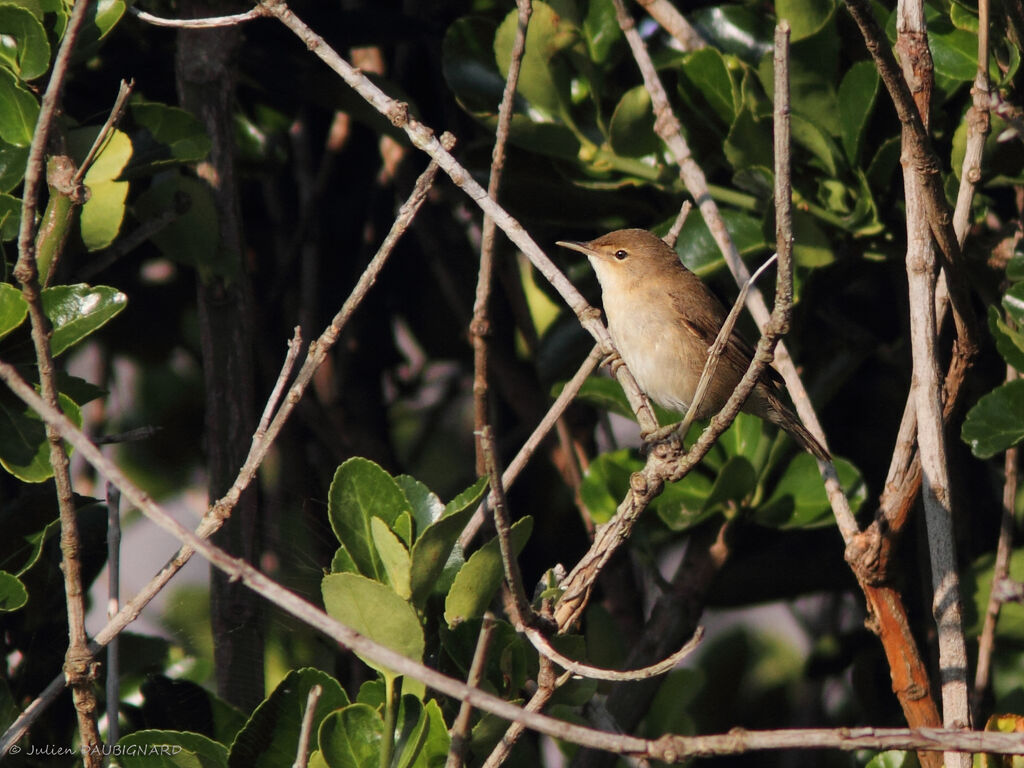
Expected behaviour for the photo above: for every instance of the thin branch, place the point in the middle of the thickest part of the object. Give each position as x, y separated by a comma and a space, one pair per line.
460, 726
480, 326
129, 436
525, 453
79, 668
1001, 572
522, 615
672, 236
203, 23
294, 347
113, 606
544, 648
716, 349
547, 685
107, 130
926, 387
673, 22
668, 748
306, 729
922, 159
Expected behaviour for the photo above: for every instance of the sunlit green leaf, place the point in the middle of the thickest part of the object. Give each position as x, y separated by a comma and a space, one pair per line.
996, 422
19, 111
24, 49
75, 311
480, 577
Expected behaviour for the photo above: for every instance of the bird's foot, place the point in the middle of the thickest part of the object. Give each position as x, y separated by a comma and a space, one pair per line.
668, 434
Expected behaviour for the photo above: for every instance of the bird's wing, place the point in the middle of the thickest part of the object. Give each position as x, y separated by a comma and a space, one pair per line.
737, 354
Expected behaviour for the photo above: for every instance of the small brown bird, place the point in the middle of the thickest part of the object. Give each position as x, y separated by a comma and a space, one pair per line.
663, 319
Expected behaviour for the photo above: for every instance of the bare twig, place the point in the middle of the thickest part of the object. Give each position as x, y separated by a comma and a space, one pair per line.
130, 436
306, 729
673, 22
460, 727
522, 614
716, 349
116, 113
544, 648
1001, 572
926, 386
204, 23
79, 668
113, 606
668, 748
480, 326
537, 436
672, 236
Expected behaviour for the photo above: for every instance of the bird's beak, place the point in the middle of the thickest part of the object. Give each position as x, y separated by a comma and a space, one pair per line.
572, 245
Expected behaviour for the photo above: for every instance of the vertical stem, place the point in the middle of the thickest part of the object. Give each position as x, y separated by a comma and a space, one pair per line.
922, 273
480, 325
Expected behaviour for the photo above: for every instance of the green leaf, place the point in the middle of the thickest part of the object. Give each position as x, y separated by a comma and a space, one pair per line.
75, 311
735, 481
13, 308
436, 742
179, 136
193, 237
954, 51
410, 732
543, 78
680, 505
271, 736
467, 61
25, 49
13, 594
170, 749
1009, 341
805, 17
342, 561
707, 70
1013, 303
374, 610
12, 171
10, 217
393, 556
24, 449
749, 143
857, 93
736, 29
700, 253
426, 506
812, 246
631, 131
433, 547
100, 19
996, 422
19, 111
480, 577
799, 500
469, 498
351, 737
977, 586
809, 136
103, 212
362, 490
601, 30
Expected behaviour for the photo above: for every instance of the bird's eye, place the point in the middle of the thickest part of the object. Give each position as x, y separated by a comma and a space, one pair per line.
621, 254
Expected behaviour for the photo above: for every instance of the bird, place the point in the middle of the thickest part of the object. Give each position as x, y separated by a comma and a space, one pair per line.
663, 319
